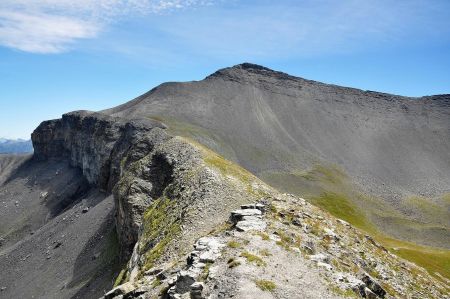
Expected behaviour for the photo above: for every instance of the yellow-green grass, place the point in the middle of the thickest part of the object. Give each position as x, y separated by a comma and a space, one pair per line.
446, 198
160, 226
341, 207
251, 258
234, 244
330, 189
229, 169
194, 132
120, 278
432, 209
432, 259
265, 285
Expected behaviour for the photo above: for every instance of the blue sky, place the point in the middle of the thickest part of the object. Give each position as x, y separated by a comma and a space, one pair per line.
62, 55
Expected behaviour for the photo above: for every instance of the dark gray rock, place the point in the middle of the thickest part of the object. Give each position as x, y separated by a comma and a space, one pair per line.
372, 284
103, 147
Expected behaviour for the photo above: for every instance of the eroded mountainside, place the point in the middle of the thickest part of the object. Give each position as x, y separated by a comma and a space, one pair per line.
124, 202
383, 154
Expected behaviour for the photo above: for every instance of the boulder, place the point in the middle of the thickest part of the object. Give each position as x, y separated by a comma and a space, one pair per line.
184, 281
372, 284
197, 290
123, 289
369, 294
257, 206
330, 234
251, 223
296, 222
309, 246
320, 257
238, 215
325, 266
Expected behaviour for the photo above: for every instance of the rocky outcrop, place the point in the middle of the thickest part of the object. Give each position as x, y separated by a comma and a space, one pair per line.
96, 143
235, 263
103, 148
249, 217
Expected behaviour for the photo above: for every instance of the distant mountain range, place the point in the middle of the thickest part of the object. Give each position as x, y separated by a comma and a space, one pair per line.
15, 146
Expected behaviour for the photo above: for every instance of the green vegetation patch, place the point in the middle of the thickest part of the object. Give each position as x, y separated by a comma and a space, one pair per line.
341, 207
435, 210
446, 198
161, 225
120, 278
251, 258
263, 236
229, 169
226, 167
205, 271
347, 293
265, 285
331, 189
432, 259
234, 244
265, 252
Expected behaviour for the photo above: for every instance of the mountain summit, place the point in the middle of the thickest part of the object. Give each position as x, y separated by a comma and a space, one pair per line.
390, 150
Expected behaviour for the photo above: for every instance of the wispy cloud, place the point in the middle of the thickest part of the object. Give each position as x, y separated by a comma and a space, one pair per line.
51, 26
232, 29
42, 33
310, 27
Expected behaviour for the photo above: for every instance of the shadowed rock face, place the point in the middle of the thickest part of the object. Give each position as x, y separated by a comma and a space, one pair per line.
93, 142
102, 147
275, 124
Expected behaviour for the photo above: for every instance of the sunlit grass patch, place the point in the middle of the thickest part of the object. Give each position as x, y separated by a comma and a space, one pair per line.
265, 285
251, 258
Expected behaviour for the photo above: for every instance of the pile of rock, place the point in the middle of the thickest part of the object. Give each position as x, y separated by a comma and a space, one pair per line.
249, 217
363, 284
186, 283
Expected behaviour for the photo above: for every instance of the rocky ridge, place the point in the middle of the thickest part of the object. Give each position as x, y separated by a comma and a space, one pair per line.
299, 252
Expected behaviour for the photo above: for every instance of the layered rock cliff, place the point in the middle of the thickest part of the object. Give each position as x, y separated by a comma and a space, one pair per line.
102, 147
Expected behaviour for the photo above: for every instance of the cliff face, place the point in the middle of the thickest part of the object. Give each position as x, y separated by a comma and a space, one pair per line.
102, 147
95, 143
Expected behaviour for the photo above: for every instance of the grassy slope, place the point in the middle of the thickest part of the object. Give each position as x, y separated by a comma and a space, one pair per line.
328, 188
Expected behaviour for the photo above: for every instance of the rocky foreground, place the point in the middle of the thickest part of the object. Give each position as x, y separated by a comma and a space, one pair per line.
285, 249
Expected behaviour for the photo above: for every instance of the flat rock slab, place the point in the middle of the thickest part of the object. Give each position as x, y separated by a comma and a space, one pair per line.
238, 215
252, 224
